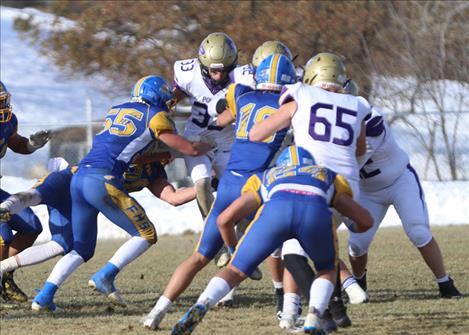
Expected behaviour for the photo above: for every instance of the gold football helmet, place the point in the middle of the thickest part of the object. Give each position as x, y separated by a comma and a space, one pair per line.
218, 52
268, 48
5, 107
325, 70
351, 87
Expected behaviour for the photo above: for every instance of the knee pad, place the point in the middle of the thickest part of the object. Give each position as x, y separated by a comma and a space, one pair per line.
203, 190
418, 233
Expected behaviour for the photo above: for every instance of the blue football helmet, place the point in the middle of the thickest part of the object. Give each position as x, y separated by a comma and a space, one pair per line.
294, 155
5, 107
275, 71
152, 90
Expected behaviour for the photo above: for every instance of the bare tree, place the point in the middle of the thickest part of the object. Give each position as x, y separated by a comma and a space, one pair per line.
425, 81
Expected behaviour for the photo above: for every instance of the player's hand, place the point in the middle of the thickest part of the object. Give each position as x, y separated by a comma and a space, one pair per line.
5, 215
39, 139
202, 147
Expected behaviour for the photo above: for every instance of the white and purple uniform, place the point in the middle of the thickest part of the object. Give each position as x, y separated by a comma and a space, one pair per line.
204, 96
387, 178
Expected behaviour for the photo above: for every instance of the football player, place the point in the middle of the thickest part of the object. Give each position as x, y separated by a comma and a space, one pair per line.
205, 80
387, 179
53, 191
25, 223
292, 201
98, 186
246, 106
329, 124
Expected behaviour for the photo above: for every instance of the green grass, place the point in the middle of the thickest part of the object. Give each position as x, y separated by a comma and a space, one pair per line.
403, 293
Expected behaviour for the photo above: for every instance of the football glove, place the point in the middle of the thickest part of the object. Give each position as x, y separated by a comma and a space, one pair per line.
38, 139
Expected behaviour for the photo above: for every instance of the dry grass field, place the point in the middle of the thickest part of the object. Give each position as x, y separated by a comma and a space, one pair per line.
404, 296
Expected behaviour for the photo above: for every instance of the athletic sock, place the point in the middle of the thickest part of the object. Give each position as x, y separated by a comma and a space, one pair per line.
39, 253
320, 294
129, 251
216, 289
443, 279
64, 268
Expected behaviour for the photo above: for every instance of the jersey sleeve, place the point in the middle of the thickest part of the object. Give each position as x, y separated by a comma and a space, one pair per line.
244, 75
161, 122
253, 184
341, 186
184, 73
234, 91
289, 93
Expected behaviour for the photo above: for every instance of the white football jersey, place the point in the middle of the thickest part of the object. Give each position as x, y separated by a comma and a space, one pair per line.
385, 160
188, 77
327, 124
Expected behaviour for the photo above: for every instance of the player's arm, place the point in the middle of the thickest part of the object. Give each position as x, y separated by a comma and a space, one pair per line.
182, 145
15, 203
362, 220
178, 95
163, 190
23, 145
239, 209
279, 120
361, 141
225, 118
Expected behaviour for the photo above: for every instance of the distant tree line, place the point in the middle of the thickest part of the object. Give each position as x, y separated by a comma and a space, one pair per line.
424, 40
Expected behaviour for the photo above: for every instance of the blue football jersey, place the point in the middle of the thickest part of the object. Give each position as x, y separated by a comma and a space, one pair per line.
313, 180
129, 129
6, 130
248, 107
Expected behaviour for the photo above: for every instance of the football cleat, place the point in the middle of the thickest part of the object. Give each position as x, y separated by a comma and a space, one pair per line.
190, 320
362, 281
224, 259
256, 274
36, 307
313, 323
356, 294
43, 302
287, 321
11, 291
328, 323
339, 312
153, 319
279, 297
227, 300
448, 290
105, 285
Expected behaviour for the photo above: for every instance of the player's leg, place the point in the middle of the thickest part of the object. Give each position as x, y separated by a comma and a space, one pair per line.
61, 243
200, 170
125, 212
84, 231
28, 227
358, 244
317, 236
207, 247
250, 252
409, 202
275, 266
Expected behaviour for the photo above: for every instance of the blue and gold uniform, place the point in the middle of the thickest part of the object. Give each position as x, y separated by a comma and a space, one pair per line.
98, 185
248, 106
25, 221
55, 194
294, 203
